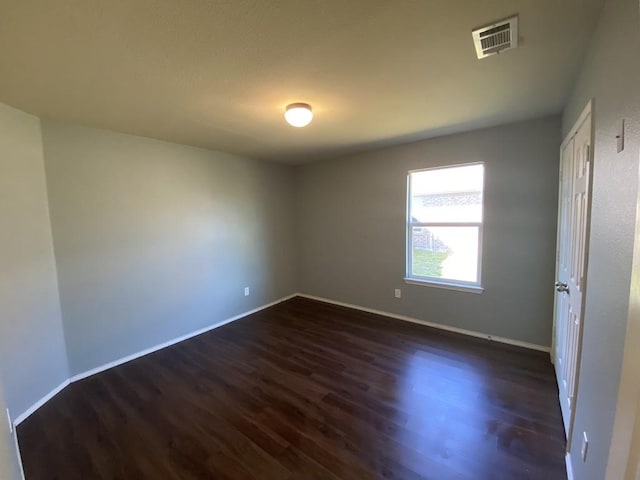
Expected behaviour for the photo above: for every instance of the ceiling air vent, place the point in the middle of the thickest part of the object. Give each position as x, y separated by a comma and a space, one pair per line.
496, 37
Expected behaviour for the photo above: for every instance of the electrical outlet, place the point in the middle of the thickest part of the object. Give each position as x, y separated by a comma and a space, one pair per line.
398, 293
585, 446
246, 291
9, 420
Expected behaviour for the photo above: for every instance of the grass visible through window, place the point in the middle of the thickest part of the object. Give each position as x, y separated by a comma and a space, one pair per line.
427, 263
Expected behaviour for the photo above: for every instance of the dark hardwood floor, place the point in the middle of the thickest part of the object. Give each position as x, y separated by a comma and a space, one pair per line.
307, 390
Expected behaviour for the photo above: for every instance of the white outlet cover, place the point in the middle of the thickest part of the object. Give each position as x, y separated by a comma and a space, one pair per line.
246, 291
10, 422
398, 293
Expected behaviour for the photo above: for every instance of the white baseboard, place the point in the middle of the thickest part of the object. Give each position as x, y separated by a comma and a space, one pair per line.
173, 341
21, 418
440, 326
567, 460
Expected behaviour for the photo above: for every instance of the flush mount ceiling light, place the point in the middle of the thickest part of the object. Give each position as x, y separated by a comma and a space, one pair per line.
298, 114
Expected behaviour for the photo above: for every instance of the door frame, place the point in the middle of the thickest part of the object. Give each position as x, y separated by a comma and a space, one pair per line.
587, 111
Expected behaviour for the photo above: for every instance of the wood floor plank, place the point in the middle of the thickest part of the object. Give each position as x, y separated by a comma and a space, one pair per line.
308, 390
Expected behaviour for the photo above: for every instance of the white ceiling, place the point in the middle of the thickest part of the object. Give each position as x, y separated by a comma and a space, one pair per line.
218, 73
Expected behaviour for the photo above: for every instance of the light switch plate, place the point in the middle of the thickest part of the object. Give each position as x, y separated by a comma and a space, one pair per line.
620, 136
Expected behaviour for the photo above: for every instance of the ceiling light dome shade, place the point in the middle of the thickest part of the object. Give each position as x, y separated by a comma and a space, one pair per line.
298, 114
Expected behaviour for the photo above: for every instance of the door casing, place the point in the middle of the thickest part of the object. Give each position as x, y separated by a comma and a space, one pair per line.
586, 115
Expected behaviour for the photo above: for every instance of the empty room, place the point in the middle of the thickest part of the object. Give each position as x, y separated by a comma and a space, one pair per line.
319, 239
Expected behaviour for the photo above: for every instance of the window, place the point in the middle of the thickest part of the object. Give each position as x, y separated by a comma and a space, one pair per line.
444, 226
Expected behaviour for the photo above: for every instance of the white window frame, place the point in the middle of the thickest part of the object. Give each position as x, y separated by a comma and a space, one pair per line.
461, 285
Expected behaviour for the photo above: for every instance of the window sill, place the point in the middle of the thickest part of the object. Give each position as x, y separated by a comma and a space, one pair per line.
445, 285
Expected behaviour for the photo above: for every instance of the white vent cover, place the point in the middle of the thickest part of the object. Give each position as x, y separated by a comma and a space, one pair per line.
496, 37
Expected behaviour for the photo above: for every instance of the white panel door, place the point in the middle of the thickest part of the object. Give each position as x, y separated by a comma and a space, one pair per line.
573, 222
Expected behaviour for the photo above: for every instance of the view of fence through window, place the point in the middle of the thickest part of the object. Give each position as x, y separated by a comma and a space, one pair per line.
444, 226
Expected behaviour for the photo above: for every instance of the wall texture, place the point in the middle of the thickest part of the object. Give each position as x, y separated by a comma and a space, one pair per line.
32, 351
351, 230
9, 464
154, 240
610, 75
633, 465
624, 452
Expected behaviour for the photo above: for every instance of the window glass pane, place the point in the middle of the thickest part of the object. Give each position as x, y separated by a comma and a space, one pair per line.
448, 253
447, 194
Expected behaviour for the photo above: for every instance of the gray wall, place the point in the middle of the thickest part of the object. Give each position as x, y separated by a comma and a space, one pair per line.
611, 75
351, 230
154, 240
32, 350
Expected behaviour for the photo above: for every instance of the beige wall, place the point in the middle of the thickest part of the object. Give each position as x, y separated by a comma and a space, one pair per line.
611, 76
351, 229
32, 350
155, 240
